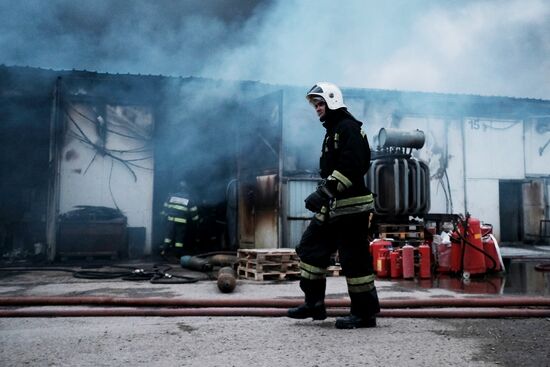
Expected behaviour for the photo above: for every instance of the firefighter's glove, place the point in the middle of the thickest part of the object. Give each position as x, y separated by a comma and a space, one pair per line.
319, 198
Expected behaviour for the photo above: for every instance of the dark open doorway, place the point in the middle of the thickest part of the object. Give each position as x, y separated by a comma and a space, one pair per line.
511, 211
522, 210
228, 151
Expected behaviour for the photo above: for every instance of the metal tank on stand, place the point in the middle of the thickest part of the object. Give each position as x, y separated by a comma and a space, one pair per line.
401, 184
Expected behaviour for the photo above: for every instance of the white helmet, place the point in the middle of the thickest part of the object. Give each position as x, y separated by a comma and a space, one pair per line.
329, 92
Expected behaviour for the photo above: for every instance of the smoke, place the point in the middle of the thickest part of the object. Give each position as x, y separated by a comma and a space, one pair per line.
167, 37
498, 48
478, 47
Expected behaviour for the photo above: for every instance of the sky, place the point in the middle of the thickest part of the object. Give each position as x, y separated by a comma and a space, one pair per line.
484, 47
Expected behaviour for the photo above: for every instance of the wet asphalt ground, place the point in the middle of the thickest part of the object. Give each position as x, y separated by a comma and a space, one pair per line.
269, 341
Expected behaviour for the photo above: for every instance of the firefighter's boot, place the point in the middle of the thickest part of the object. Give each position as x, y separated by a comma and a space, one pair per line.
353, 322
316, 311
364, 304
314, 305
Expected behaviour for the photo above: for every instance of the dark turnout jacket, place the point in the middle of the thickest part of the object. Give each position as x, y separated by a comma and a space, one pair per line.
345, 159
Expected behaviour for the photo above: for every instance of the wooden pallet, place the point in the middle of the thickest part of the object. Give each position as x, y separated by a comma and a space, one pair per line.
268, 264
253, 274
402, 232
277, 264
279, 255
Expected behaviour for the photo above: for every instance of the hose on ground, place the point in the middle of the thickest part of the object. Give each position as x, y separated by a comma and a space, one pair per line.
158, 274
267, 303
272, 312
406, 308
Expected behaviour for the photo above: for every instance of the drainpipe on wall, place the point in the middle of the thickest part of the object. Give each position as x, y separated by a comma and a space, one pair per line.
463, 132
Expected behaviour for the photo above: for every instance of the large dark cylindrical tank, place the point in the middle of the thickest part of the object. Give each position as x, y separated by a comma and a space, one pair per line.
400, 181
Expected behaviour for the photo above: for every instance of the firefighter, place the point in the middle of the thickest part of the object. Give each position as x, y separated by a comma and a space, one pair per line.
181, 217
343, 206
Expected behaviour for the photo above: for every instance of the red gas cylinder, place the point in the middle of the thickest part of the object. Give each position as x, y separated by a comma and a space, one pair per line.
443, 257
486, 229
490, 246
396, 264
425, 270
474, 260
383, 262
375, 247
456, 253
408, 261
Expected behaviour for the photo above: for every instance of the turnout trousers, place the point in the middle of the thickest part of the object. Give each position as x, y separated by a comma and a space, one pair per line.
175, 237
349, 235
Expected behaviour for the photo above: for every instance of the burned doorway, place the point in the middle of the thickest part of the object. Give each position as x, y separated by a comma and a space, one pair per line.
195, 142
228, 151
259, 173
24, 144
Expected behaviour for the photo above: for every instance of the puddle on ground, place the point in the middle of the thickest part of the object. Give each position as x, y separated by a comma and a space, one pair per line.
521, 278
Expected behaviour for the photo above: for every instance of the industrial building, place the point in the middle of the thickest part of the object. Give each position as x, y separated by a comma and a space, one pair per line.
88, 158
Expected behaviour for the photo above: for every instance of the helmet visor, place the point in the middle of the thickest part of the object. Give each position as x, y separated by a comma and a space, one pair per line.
315, 89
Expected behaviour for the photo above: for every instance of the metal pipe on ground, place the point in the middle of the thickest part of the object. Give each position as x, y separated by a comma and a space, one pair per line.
267, 303
273, 312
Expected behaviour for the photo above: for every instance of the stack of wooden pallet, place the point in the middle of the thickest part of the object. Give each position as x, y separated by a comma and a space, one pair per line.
268, 264
411, 233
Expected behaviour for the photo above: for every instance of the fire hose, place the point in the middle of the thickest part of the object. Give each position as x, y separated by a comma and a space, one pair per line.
158, 274
410, 308
274, 312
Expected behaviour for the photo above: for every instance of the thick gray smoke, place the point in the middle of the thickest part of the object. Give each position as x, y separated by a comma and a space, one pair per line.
481, 47
168, 37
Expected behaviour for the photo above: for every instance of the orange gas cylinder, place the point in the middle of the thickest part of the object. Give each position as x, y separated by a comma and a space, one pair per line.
425, 270
408, 261
396, 261
375, 247
456, 253
490, 246
474, 260
383, 262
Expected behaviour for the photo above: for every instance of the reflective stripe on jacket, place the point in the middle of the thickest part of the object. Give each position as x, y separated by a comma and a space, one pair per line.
178, 208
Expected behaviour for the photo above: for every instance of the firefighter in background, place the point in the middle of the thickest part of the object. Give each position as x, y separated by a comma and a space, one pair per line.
343, 206
182, 217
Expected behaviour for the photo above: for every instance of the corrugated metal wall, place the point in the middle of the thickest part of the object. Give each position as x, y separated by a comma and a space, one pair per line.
296, 216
